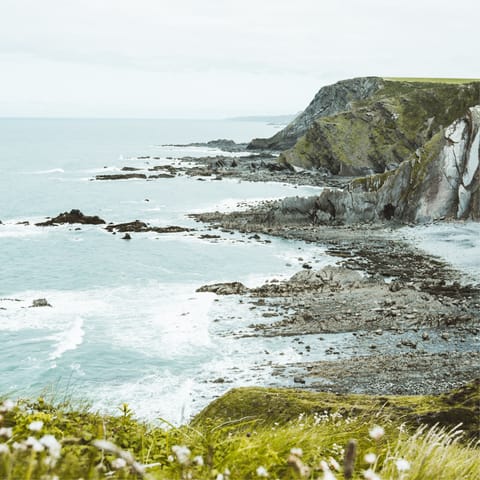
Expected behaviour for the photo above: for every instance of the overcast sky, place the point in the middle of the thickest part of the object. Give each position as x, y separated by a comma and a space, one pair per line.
217, 58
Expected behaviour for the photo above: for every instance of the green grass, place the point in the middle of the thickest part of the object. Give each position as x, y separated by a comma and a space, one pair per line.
244, 435
432, 80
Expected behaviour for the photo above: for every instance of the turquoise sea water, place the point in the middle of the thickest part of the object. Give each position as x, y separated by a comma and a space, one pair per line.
126, 324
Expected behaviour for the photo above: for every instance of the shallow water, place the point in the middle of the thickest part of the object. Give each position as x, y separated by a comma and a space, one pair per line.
126, 324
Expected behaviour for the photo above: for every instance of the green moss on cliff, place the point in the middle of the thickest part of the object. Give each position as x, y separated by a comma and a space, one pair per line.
283, 405
385, 129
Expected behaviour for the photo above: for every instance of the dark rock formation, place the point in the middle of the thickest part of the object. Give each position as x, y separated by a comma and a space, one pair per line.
74, 216
40, 302
138, 226
232, 288
221, 143
120, 176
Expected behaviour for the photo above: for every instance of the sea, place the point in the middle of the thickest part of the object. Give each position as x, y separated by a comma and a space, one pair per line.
125, 323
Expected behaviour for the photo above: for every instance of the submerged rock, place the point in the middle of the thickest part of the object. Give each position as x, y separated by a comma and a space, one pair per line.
74, 216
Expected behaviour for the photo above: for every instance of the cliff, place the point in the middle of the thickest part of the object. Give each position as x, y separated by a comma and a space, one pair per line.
440, 180
370, 125
330, 100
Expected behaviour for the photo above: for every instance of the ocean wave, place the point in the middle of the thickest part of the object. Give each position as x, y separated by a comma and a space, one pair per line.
69, 339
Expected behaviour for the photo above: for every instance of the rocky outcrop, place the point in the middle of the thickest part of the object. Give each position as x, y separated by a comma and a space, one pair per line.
121, 176
74, 216
375, 130
330, 100
232, 288
442, 180
138, 226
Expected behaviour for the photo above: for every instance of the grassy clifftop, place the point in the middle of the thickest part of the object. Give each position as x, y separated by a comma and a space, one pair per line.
381, 131
250, 433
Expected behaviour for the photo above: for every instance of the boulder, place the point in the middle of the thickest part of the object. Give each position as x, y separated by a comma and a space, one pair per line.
74, 216
232, 288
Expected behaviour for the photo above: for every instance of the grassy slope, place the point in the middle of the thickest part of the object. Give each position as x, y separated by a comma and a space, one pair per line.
433, 80
250, 428
386, 128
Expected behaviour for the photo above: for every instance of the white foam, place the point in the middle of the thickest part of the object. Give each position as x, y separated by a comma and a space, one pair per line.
51, 170
68, 339
456, 242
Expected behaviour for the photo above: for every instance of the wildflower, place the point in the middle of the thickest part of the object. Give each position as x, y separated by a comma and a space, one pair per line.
370, 475
402, 465
105, 445
328, 475
334, 464
182, 453
34, 444
118, 463
226, 473
52, 444
376, 432
6, 406
170, 458
6, 432
36, 426
4, 450
370, 458
219, 477
297, 452
198, 460
21, 447
262, 472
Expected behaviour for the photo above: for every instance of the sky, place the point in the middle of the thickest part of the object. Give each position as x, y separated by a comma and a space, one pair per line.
218, 58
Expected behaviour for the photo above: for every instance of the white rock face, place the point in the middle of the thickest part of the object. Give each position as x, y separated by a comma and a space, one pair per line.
450, 193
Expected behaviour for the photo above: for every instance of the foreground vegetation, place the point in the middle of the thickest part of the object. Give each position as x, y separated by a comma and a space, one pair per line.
250, 433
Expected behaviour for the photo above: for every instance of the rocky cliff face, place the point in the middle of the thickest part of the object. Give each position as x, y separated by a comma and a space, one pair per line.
441, 180
330, 100
375, 127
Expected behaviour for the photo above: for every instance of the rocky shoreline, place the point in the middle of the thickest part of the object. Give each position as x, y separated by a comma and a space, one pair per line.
414, 319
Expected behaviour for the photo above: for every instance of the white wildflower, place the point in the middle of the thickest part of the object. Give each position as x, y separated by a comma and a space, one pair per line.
324, 466
262, 472
298, 452
54, 447
34, 444
370, 458
21, 447
6, 406
376, 432
170, 458
370, 475
6, 432
334, 464
36, 426
219, 476
227, 472
4, 449
328, 475
105, 445
118, 463
402, 465
198, 460
182, 453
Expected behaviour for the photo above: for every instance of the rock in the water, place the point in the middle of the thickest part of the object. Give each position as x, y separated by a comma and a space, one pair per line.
74, 216
120, 176
40, 302
126, 237
232, 288
138, 226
